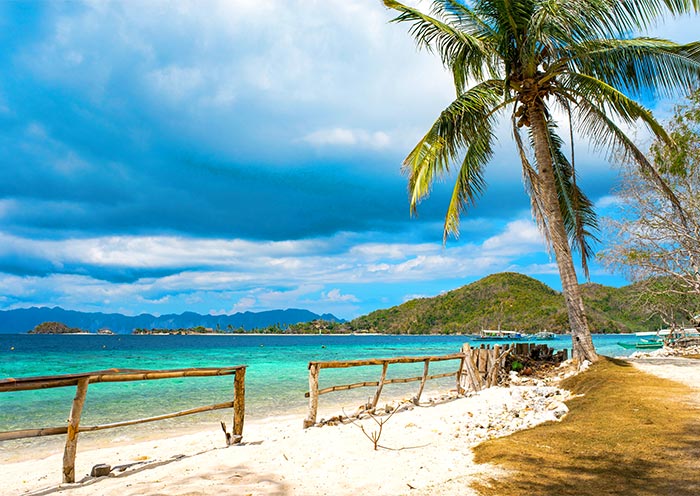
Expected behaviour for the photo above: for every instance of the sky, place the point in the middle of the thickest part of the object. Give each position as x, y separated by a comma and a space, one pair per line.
240, 155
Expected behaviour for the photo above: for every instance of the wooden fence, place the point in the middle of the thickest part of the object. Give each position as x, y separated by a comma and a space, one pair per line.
481, 366
315, 369
82, 380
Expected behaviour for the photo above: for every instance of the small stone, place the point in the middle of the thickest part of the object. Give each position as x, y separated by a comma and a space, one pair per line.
100, 470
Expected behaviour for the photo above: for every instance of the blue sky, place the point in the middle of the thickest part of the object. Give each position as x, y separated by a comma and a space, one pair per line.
223, 156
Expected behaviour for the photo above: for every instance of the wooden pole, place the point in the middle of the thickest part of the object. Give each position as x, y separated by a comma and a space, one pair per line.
73, 430
471, 368
380, 386
111, 375
238, 404
495, 366
460, 380
426, 365
380, 361
313, 395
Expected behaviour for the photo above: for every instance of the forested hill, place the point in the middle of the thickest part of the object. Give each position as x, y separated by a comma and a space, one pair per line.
513, 302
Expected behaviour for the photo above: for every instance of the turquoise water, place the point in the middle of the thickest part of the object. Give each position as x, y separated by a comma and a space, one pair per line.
276, 379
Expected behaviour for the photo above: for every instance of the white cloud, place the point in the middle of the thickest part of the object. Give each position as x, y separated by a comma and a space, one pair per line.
338, 136
608, 201
335, 295
244, 304
520, 236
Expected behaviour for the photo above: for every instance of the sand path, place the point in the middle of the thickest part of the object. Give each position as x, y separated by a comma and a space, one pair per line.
679, 369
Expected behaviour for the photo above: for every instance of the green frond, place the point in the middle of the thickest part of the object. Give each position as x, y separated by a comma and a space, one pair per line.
638, 65
577, 87
470, 182
458, 128
609, 137
468, 53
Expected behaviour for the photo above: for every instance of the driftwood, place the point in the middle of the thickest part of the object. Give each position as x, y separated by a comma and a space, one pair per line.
82, 381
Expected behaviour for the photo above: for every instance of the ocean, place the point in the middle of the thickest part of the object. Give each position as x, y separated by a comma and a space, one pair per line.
276, 378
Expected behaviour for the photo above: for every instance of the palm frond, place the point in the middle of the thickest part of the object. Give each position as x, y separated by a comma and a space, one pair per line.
470, 182
467, 54
607, 136
456, 129
639, 65
577, 87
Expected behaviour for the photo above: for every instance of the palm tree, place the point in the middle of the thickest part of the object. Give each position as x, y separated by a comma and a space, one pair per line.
536, 62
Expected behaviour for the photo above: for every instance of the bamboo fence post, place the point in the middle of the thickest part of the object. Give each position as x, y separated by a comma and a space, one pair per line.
238, 404
483, 360
74, 429
313, 395
380, 386
460, 371
496, 365
470, 366
426, 366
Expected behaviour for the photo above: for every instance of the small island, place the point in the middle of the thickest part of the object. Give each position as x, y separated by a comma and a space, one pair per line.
56, 328
179, 331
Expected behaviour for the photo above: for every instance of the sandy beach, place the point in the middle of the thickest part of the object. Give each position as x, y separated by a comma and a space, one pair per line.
426, 450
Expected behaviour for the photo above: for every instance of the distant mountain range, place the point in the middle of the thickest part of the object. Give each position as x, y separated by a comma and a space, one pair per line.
25, 319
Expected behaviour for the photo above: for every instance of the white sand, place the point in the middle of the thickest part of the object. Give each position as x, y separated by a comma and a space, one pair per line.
429, 451
430, 454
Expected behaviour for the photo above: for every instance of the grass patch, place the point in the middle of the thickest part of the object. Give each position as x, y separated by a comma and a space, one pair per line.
631, 433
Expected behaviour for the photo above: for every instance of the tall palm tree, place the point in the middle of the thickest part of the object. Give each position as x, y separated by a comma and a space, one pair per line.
536, 62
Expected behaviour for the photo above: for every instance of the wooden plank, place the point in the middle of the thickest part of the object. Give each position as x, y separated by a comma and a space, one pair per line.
483, 361
460, 379
470, 366
110, 375
424, 378
45, 431
344, 387
381, 361
495, 366
378, 392
313, 395
398, 380
238, 404
73, 430
52, 431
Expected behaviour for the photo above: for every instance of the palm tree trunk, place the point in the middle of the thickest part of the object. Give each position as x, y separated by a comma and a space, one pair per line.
582, 344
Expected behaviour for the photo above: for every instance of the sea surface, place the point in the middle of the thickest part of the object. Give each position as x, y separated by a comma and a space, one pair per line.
276, 378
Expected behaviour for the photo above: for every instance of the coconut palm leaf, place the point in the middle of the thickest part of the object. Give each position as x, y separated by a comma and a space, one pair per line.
462, 124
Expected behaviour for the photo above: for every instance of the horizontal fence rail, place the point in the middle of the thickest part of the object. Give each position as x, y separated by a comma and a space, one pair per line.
315, 368
83, 380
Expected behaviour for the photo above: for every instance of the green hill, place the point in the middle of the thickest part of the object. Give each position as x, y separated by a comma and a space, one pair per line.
514, 302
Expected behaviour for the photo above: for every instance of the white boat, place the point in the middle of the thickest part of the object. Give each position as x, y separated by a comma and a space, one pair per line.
542, 335
493, 335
